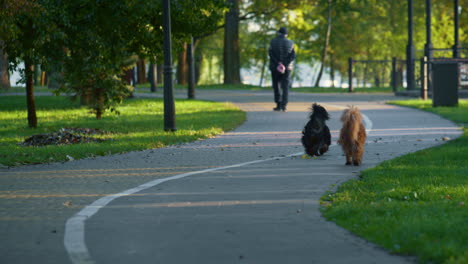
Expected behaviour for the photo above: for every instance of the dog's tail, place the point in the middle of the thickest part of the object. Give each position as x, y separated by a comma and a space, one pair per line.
352, 119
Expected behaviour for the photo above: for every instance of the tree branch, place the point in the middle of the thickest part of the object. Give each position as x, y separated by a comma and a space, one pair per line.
246, 16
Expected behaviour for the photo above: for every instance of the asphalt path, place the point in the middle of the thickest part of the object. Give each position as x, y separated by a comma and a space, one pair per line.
245, 196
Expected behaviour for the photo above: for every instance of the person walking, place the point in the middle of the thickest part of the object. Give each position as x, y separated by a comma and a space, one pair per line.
282, 56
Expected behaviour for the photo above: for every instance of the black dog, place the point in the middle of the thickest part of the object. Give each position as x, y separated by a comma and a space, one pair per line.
316, 136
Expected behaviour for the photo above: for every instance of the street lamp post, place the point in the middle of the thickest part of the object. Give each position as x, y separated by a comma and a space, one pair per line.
456, 46
169, 105
428, 45
410, 50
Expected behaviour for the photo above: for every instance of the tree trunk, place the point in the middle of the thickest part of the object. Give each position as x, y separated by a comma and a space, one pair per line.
29, 72
198, 57
134, 77
159, 73
182, 69
152, 77
127, 76
332, 71
37, 75
141, 72
198, 66
99, 103
325, 47
55, 78
191, 69
366, 75
4, 76
43, 78
377, 81
231, 44
399, 76
262, 74
85, 98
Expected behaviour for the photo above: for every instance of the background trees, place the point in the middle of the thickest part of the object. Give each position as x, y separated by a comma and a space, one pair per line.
370, 29
88, 44
25, 33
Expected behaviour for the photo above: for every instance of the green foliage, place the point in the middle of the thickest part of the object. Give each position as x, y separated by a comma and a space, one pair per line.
363, 30
25, 31
90, 42
138, 127
414, 204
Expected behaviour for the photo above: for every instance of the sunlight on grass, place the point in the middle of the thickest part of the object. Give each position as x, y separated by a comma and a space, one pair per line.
138, 127
414, 204
145, 88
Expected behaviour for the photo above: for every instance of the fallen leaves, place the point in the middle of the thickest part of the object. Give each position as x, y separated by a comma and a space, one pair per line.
64, 136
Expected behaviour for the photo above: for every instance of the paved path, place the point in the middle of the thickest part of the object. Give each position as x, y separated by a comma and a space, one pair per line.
261, 212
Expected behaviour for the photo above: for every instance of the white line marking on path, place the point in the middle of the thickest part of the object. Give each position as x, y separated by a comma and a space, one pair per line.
74, 238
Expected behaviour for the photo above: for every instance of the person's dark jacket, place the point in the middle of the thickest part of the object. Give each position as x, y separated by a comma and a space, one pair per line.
281, 50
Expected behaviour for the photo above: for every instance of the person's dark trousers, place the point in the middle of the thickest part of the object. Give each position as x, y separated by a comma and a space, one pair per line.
281, 88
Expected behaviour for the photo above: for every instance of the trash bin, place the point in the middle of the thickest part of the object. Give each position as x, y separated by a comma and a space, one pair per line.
445, 83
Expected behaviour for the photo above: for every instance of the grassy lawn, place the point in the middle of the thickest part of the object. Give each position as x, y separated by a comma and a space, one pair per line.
138, 127
22, 89
145, 88
414, 204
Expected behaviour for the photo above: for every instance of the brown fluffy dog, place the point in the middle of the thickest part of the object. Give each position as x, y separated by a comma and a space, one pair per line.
352, 136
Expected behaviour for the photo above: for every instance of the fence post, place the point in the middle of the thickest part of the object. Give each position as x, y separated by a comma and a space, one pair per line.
350, 75
424, 78
394, 74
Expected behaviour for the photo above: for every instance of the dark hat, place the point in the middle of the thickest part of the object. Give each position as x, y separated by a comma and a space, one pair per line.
283, 30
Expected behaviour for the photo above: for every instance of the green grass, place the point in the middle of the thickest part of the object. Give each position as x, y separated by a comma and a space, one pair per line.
22, 89
138, 127
145, 88
414, 204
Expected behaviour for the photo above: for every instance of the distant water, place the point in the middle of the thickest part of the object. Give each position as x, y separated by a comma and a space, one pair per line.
15, 77
303, 76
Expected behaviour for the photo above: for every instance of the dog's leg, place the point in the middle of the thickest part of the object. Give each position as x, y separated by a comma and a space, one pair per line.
356, 162
348, 158
360, 146
357, 157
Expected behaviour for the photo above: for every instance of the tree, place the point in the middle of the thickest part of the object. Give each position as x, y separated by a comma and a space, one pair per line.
97, 43
241, 11
231, 45
4, 76
26, 30
327, 41
182, 67
198, 19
